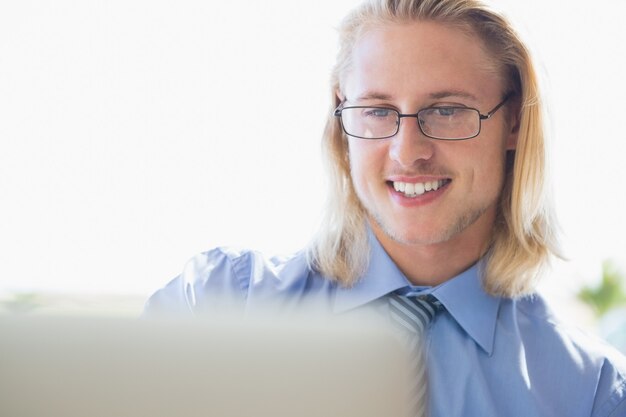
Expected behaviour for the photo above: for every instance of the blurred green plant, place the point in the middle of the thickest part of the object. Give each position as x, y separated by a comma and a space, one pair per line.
607, 295
21, 302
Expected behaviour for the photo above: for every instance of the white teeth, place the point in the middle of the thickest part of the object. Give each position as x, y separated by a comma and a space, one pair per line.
414, 189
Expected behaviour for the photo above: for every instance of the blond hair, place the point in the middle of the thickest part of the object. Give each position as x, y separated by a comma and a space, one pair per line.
524, 232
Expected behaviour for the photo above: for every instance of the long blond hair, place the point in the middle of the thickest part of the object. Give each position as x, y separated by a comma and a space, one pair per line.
524, 232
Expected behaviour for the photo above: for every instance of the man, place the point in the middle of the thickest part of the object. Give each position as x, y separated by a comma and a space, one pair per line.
436, 151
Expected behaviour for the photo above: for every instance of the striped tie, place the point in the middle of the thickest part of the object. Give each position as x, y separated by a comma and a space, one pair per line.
412, 315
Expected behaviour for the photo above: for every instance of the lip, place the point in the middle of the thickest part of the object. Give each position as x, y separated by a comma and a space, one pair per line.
420, 200
416, 179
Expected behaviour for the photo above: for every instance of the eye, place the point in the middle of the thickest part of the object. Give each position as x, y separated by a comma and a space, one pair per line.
445, 111
377, 112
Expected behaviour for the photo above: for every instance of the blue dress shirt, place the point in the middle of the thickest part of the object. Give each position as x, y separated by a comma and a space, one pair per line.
487, 356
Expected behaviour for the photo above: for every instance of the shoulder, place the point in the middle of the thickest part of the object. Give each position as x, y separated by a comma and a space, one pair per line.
224, 278
577, 355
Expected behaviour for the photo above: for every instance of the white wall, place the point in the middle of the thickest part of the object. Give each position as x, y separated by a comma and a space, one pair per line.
136, 133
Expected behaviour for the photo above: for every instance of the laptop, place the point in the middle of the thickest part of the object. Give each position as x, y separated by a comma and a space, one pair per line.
104, 367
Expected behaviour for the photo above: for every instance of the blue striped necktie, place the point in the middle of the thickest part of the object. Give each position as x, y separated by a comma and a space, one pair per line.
412, 315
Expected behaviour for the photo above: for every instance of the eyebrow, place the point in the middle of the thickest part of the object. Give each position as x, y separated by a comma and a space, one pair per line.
452, 93
374, 95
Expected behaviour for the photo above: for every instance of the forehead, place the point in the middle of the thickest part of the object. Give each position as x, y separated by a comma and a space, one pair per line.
421, 59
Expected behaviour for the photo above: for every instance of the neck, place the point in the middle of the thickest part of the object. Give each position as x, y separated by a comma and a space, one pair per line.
430, 264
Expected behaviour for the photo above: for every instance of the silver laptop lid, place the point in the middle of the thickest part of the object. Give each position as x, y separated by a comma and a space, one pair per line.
77, 367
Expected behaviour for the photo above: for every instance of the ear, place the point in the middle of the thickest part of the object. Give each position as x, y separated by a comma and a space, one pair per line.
338, 98
513, 127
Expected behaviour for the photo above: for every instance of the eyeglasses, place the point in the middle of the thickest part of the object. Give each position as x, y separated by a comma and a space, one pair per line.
445, 122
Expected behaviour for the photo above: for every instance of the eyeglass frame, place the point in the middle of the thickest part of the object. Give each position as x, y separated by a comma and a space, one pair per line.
481, 117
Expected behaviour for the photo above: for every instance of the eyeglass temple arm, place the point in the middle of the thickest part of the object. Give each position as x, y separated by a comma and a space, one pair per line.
495, 109
339, 107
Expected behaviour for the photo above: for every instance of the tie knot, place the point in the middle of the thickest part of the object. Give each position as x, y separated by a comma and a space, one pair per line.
414, 312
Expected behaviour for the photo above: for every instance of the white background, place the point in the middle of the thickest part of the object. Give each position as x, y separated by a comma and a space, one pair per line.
137, 133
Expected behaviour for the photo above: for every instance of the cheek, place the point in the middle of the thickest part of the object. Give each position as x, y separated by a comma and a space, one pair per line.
490, 171
482, 166
366, 158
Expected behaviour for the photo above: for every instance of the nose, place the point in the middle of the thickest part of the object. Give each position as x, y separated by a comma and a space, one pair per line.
410, 145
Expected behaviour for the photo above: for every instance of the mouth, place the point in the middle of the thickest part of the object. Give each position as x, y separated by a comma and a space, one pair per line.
413, 190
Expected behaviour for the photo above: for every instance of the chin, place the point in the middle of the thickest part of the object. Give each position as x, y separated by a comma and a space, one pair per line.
421, 238
413, 235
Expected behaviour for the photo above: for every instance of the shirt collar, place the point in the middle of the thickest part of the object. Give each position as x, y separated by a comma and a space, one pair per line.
462, 296
471, 307
381, 277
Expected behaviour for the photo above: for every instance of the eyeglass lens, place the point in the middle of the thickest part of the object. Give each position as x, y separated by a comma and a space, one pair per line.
437, 122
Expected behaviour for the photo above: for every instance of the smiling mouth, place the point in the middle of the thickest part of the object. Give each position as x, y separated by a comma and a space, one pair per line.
413, 190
